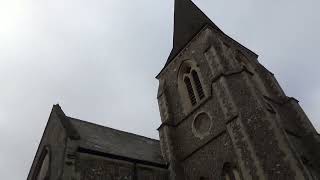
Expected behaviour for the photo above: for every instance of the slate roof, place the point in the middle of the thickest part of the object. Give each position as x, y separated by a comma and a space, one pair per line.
116, 142
188, 21
110, 141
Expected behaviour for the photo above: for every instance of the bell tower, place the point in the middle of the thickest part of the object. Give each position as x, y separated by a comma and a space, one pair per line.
224, 115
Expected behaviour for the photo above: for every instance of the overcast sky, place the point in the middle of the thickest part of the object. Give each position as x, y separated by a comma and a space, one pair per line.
98, 60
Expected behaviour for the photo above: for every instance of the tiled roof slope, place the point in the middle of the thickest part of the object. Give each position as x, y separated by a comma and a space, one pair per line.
115, 142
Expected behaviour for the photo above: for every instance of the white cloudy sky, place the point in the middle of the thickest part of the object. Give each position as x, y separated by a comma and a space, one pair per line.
98, 59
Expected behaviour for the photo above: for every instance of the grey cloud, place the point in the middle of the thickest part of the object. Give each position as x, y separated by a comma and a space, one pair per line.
98, 59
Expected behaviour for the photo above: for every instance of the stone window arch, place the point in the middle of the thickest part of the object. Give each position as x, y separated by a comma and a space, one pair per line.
230, 172
43, 166
190, 85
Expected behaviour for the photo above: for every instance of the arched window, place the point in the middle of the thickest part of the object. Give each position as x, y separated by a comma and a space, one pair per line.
230, 172
190, 85
42, 167
194, 86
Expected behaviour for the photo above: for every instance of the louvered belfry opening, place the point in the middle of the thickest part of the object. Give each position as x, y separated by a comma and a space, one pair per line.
190, 90
193, 85
197, 83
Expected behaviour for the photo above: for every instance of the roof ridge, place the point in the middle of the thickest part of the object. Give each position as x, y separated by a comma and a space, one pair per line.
130, 133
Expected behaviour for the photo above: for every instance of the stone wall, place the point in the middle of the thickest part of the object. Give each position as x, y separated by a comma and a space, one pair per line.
53, 139
93, 167
242, 99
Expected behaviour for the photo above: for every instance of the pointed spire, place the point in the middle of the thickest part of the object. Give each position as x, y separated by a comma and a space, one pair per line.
188, 21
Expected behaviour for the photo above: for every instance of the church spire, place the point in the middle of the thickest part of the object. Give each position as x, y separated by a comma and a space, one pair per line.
188, 21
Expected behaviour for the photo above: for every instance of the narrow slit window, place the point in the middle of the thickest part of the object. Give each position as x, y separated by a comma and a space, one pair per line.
197, 84
190, 90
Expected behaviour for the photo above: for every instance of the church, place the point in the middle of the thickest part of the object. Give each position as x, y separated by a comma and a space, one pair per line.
223, 117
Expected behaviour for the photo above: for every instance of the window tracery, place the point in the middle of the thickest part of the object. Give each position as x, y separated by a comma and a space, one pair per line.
190, 85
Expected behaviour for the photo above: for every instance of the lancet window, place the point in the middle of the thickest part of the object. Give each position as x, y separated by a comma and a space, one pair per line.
190, 85
193, 86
